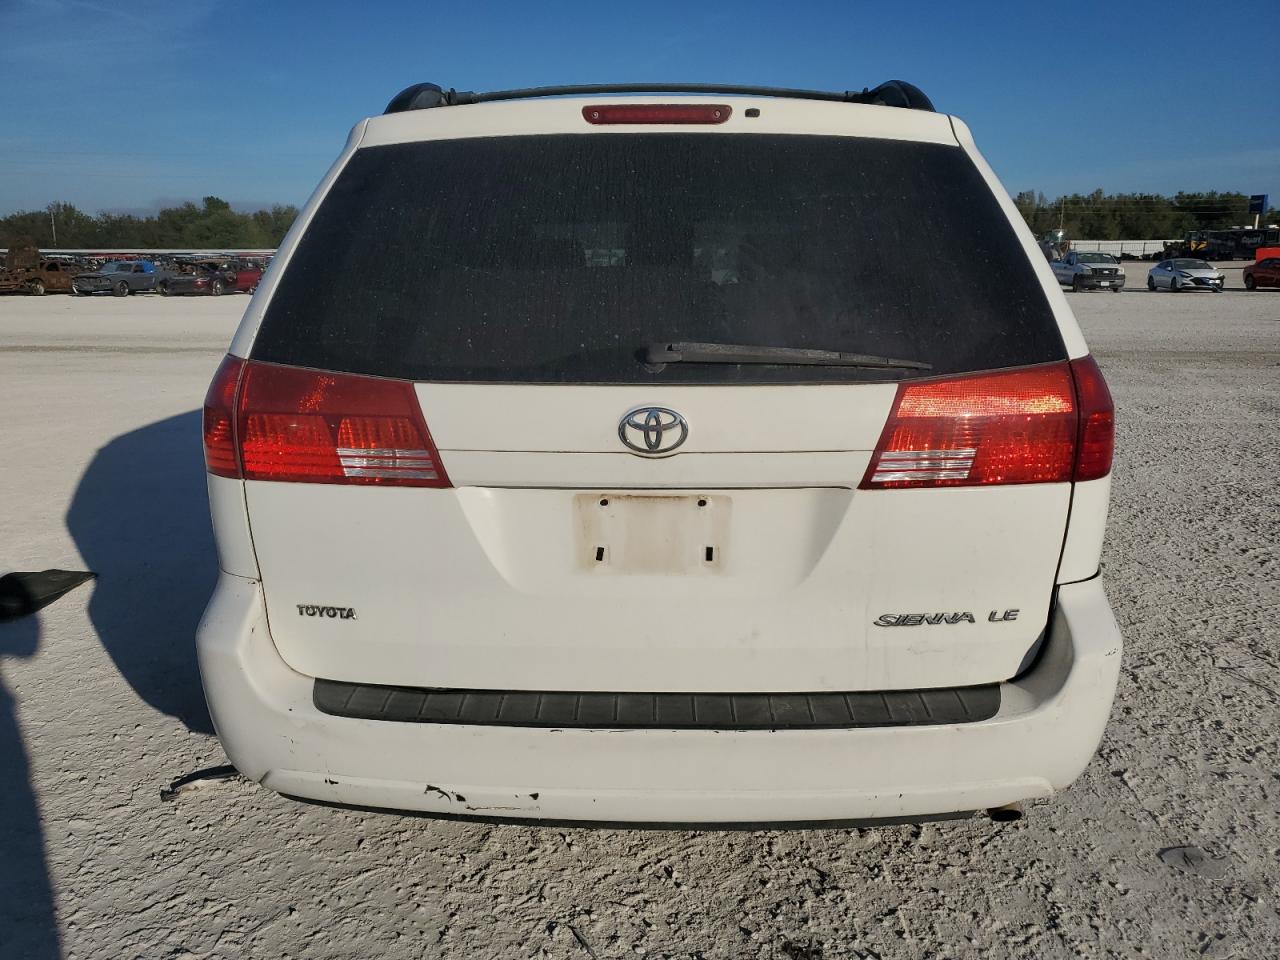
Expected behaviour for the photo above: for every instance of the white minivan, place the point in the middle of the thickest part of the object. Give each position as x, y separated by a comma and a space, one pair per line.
656, 455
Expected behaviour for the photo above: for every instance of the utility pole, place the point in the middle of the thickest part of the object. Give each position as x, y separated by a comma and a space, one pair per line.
53, 224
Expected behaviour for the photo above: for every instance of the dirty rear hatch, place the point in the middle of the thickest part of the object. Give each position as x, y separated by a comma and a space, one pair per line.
516, 282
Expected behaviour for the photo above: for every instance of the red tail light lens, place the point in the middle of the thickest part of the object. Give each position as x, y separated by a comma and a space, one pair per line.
657, 113
309, 426
1097, 421
220, 456
1015, 426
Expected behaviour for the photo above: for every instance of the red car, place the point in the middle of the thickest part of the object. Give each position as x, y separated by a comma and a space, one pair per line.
214, 277
1264, 273
247, 277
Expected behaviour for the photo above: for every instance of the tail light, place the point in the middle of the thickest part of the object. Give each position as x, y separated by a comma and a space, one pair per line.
657, 113
220, 456
1046, 424
1097, 421
267, 422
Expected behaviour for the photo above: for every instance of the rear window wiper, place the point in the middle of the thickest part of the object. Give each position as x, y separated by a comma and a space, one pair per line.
685, 352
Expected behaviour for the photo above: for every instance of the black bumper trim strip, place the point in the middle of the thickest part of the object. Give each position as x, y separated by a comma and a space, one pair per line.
658, 711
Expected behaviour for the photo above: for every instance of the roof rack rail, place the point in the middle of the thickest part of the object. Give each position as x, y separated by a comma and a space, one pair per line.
892, 93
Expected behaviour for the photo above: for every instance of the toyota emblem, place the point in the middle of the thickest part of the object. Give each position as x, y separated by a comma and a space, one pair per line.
652, 431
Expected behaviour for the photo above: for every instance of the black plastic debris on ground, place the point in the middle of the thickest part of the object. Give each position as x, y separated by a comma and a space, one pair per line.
24, 593
192, 780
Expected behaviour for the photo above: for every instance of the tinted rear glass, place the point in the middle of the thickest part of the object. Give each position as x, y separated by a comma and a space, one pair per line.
555, 259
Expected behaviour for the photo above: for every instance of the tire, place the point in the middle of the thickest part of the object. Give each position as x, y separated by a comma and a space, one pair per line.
1075, 283
121, 289
215, 289
164, 289
1151, 283
1115, 289
1175, 286
76, 291
1249, 282
36, 288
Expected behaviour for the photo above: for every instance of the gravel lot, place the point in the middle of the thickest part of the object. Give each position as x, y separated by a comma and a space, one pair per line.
100, 706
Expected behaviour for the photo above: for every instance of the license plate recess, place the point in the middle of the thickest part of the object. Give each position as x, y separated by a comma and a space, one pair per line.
652, 533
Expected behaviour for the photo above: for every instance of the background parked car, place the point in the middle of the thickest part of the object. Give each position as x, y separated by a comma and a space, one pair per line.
1264, 273
1086, 270
201, 276
1184, 274
45, 276
119, 278
248, 275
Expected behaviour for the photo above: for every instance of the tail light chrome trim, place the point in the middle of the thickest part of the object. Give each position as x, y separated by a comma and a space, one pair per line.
924, 465
387, 463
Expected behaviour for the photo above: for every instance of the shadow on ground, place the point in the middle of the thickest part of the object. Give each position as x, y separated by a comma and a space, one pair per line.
140, 518
28, 924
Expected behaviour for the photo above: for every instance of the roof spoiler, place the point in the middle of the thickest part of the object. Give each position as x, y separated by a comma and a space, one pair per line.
424, 96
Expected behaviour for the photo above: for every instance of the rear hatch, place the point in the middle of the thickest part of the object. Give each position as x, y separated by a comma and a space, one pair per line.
519, 517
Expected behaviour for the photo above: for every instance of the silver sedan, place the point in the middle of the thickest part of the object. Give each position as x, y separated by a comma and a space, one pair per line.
1184, 274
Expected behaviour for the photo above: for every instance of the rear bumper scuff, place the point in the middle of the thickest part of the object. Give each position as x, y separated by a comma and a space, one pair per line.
1048, 725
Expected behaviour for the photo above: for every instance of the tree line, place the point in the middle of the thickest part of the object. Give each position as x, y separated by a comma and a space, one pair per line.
1135, 216
212, 225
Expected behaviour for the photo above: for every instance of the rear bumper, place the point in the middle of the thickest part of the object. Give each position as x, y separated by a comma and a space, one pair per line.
1047, 728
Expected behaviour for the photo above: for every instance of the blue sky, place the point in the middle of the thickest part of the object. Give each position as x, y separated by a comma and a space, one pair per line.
115, 105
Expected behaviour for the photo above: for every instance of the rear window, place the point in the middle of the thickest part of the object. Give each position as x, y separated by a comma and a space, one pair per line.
558, 259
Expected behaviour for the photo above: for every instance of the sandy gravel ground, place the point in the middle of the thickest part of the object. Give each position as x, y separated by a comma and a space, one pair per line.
100, 706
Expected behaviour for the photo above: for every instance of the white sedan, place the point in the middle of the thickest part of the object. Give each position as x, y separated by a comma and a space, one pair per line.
1183, 274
